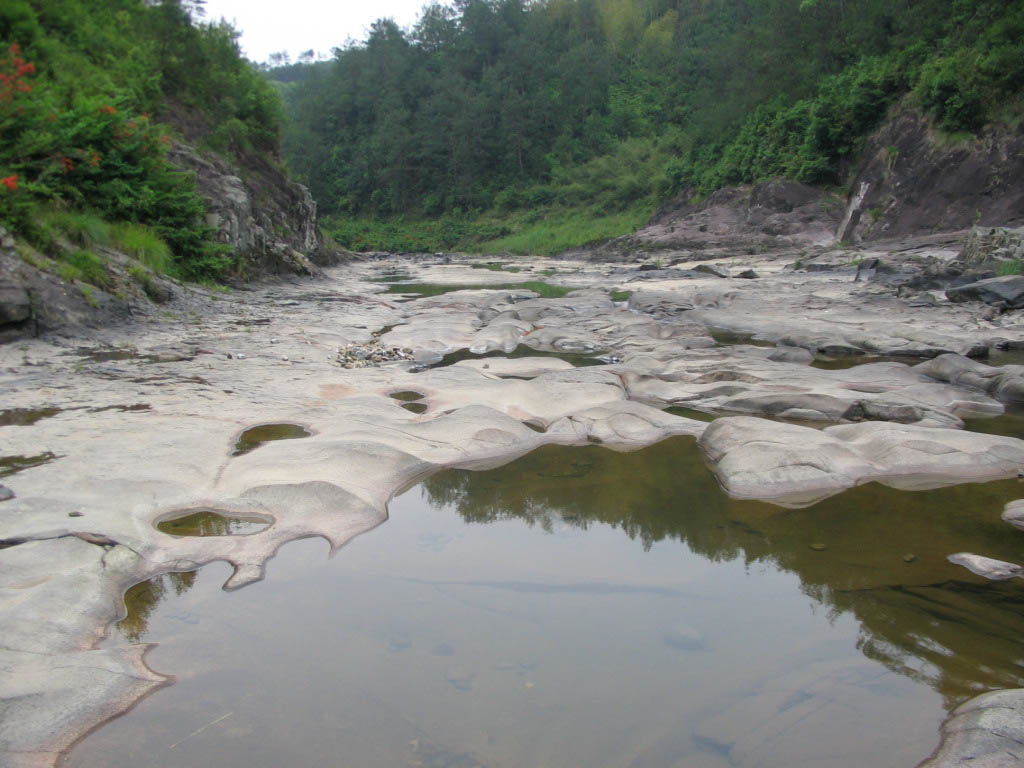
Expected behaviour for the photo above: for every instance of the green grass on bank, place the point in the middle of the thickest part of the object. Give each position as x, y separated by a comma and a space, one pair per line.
536, 232
73, 244
561, 230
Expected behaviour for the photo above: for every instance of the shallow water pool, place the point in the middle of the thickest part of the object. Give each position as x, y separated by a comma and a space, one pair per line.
584, 607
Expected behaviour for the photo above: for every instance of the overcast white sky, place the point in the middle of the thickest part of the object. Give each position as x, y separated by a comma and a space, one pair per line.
298, 25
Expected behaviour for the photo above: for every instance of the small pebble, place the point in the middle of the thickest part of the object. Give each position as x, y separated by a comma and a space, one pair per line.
76, 513
909, 558
6, 494
817, 546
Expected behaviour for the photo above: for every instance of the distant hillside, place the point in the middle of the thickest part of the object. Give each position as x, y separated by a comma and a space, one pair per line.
136, 125
501, 106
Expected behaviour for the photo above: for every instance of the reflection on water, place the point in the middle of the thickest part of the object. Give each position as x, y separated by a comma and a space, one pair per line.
585, 607
141, 600
24, 417
10, 465
254, 437
545, 290
577, 359
1010, 423
728, 338
883, 559
1000, 357
852, 361
205, 522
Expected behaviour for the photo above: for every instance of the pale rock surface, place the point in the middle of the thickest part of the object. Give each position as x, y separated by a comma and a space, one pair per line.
795, 465
149, 435
985, 732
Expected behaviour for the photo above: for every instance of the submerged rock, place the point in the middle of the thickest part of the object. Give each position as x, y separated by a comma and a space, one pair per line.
1013, 513
995, 570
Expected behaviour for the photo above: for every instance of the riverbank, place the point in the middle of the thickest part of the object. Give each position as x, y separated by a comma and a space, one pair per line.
113, 429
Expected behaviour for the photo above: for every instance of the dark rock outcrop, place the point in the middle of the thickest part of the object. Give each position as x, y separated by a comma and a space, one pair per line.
33, 300
911, 181
748, 219
1005, 292
266, 217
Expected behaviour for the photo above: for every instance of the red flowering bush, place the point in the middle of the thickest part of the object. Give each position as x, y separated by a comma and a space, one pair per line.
13, 69
90, 153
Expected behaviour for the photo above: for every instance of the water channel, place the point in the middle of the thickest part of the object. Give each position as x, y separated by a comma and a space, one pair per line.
581, 607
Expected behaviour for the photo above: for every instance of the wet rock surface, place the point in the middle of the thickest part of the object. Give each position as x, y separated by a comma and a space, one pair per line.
986, 731
270, 355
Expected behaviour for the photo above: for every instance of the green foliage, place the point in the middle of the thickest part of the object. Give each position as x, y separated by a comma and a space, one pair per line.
82, 228
89, 267
144, 244
525, 232
498, 107
83, 89
619, 295
560, 230
145, 280
494, 266
1010, 267
545, 290
89, 296
410, 235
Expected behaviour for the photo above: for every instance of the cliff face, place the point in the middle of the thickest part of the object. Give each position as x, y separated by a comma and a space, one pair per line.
266, 217
913, 181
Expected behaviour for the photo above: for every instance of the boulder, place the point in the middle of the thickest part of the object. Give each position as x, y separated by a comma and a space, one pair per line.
797, 466
1005, 291
994, 570
984, 732
713, 269
15, 304
1013, 513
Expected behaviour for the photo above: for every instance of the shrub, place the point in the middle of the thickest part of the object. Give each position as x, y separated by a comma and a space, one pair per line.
89, 267
83, 228
946, 90
144, 244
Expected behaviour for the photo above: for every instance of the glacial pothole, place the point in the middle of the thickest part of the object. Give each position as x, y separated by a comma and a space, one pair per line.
207, 522
254, 437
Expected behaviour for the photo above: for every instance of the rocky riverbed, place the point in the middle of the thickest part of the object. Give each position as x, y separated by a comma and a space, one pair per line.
822, 368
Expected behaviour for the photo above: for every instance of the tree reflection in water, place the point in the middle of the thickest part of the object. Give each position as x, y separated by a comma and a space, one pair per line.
875, 552
142, 599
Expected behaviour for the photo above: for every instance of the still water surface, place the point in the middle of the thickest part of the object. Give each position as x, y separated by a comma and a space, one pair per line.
580, 607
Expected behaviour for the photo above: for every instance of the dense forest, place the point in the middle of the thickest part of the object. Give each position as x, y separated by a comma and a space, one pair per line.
529, 125
511, 111
92, 95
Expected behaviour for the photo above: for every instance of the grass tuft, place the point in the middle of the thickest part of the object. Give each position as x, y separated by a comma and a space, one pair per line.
86, 266
145, 245
82, 228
